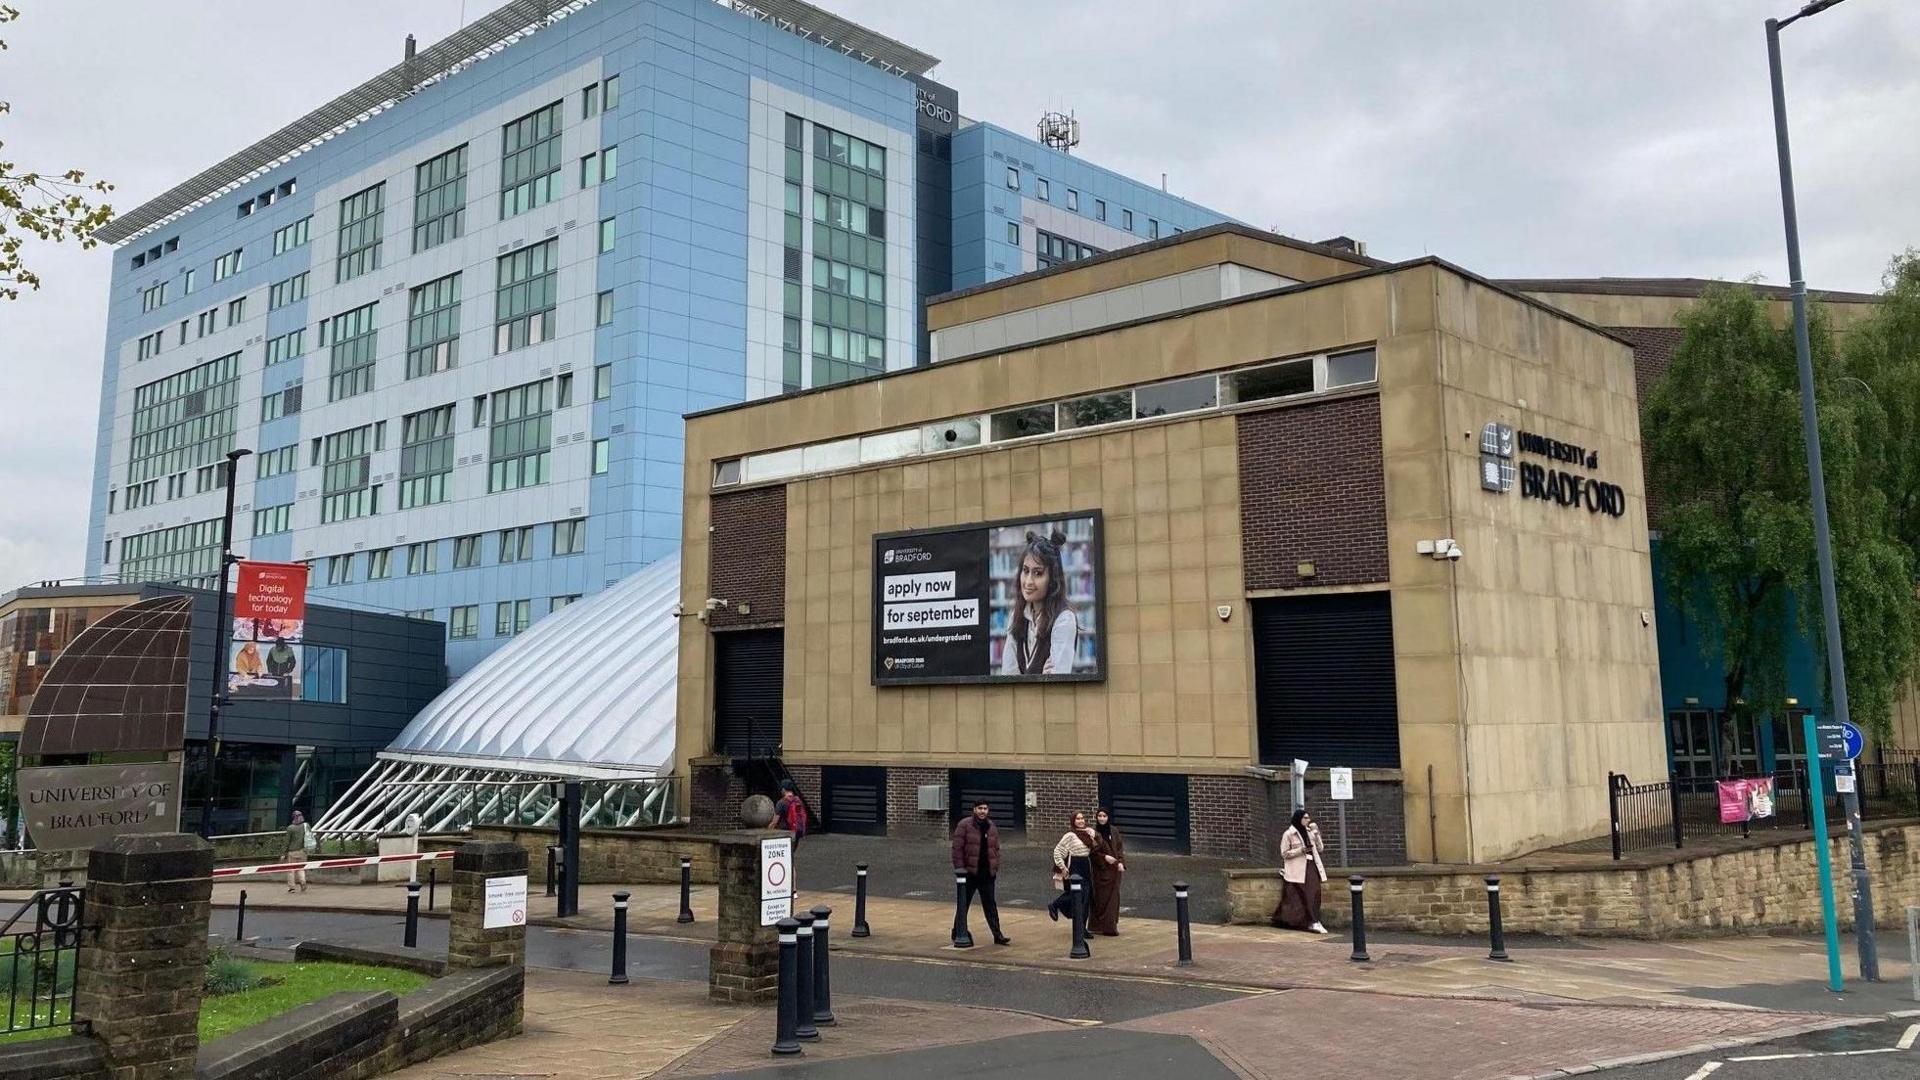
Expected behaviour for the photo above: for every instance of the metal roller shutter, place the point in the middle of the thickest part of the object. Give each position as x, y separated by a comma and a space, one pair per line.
1003, 790
747, 668
853, 799
1149, 809
1324, 680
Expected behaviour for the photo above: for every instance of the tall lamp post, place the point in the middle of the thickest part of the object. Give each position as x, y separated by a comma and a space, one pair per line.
1822, 537
217, 651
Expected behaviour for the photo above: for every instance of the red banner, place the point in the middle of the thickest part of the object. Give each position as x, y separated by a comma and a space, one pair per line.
271, 591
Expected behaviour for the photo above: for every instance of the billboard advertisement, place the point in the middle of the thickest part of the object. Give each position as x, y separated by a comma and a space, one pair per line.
269, 619
1001, 601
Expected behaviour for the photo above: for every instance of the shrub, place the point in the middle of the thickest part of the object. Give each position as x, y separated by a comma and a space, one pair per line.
227, 974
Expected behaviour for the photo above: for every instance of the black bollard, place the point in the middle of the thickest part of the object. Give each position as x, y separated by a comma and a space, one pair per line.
1497, 935
553, 868
860, 900
433, 884
619, 976
785, 1016
1186, 925
240, 922
1357, 885
686, 889
1080, 950
413, 915
822, 985
803, 1027
962, 937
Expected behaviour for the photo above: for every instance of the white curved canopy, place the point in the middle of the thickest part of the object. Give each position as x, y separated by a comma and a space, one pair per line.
588, 691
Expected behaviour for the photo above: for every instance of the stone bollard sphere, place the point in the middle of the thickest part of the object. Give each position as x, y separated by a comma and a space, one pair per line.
756, 812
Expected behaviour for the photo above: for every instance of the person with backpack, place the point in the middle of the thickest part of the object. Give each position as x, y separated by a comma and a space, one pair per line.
790, 813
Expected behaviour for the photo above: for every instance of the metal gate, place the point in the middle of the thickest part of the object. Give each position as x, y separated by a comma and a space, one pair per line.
1324, 680
747, 671
42, 942
853, 799
1003, 790
1149, 809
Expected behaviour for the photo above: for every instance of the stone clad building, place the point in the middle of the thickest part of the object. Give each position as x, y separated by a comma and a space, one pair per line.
1311, 505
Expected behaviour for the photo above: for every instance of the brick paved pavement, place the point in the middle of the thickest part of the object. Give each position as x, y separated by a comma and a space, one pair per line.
866, 1027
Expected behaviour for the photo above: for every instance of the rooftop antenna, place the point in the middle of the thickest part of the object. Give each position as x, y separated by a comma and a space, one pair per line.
1060, 131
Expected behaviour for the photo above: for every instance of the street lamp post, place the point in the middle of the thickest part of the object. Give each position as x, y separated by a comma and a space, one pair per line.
216, 651
1822, 536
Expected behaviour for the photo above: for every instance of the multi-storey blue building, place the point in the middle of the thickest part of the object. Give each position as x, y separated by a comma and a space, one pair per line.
458, 312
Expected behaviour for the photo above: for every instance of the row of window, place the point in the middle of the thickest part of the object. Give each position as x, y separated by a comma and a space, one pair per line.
1043, 190
510, 617
1294, 377
514, 545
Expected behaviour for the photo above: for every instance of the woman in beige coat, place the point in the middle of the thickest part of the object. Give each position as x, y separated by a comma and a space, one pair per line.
1304, 869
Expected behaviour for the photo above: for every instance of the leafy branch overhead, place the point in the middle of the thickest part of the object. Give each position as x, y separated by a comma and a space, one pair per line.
50, 206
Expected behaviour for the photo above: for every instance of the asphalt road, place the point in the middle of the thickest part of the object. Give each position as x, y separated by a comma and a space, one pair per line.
1086, 1054
1859, 1053
1062, 995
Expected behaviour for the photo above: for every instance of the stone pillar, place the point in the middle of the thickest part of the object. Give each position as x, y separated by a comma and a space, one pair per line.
143, 958
469, 943
744, 968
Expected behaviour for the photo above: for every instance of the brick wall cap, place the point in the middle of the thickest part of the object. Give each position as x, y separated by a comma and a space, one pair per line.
154, 857
489, 856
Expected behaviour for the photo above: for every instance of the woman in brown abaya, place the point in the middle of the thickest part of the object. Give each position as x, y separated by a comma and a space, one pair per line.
1109, 862
1304, 869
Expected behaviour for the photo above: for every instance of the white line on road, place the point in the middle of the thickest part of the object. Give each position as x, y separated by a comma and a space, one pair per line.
1705, 1071
1906, 1040
1815, 1054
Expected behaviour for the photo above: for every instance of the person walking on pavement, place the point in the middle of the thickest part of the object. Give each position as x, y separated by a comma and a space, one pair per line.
976, 853
1304, 868
1072, 855
1108, 864
790, 813
297, 840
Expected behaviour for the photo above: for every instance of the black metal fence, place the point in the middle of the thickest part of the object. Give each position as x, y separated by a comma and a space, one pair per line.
1674, 813
39, 951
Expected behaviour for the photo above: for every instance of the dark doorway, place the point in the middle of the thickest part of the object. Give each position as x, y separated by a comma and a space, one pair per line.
1003, 790
853, 799
1324, 680
747, 668
1149, 809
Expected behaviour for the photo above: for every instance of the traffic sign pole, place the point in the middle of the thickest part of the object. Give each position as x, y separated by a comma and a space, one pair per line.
1817, 799
1842, 742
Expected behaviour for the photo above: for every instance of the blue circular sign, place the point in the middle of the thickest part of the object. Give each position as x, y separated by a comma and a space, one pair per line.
1856, 740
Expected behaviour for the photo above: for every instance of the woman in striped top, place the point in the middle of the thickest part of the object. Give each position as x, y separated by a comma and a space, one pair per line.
1073, 855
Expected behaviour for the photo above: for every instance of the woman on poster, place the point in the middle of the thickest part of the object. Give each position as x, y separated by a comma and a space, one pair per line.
1044, 632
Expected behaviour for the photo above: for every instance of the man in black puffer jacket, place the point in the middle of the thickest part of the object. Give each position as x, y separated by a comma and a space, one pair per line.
976, 853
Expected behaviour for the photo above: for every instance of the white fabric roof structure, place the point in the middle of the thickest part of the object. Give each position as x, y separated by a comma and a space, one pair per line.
588, 692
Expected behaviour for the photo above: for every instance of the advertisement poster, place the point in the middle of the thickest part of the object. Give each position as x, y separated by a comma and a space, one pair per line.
1745, 800
999, 601
269, 616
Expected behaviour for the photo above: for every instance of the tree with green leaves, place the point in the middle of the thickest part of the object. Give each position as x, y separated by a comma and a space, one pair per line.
1721, 434
49, 206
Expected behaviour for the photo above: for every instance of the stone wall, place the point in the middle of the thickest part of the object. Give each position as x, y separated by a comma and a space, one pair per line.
1760, 886
614, 856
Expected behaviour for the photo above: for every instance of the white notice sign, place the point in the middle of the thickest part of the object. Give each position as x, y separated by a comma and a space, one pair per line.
1341, 781
776, 879
506, 902
1842, 782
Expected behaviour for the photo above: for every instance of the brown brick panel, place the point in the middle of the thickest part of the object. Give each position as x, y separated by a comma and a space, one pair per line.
747, 556
904, 816
1653, 348
1220, 818
1376, 821
1313, 489
716, 798
1056, 795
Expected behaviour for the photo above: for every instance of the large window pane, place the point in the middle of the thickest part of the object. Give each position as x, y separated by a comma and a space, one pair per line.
1184, 395
1273, 381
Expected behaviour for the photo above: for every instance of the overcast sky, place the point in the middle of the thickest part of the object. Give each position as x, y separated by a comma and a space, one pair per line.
1516, 138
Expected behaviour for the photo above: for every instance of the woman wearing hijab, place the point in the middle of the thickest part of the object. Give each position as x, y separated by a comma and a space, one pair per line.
1108, 864
1073, 854
1043, 634
1303, 870
247, 664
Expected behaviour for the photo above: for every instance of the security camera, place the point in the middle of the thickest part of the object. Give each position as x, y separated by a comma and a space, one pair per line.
1453, 553
714, 603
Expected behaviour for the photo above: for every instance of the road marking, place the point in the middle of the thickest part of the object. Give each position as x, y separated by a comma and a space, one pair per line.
1816, 1053
1705, 1071
1906, 1040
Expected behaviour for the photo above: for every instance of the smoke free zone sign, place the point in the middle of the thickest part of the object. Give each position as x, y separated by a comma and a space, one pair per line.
930, 595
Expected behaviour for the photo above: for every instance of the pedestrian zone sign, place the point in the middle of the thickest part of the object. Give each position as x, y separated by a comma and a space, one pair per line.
776, 879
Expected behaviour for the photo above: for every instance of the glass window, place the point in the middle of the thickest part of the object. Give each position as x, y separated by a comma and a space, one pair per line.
530, 161
1013, 233
423, 558
519, 437
379, 564
1264, 383
516, 545
282, 293
891, 445
610, 92
228, 265
1351, 369
603, 382
426, 457
1013, 178
1096, 409
606, 235
440, 199
1041, 188
339, 569
346, 485
600, 457
603, 309
570, 537
351, 340
463, 622
1126, 220
952, 435
1153, 229
556, 603
512, 617
324, 679
1073, 199
590, 102
1020, 423
1183, 395
773, 465
361, 217
433, 326
726, 472
834, 455
1099, 209
524, 296
466, 552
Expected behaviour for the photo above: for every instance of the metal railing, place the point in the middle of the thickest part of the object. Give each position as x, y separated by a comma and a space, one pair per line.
39, 954
1674, 813
452, 799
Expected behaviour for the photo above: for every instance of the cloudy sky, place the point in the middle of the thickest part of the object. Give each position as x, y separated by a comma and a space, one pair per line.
1515, 137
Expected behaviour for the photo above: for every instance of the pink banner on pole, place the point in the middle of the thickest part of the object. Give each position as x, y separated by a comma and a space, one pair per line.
1744, 800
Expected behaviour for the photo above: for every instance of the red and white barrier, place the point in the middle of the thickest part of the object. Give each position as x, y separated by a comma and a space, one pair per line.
328, 864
